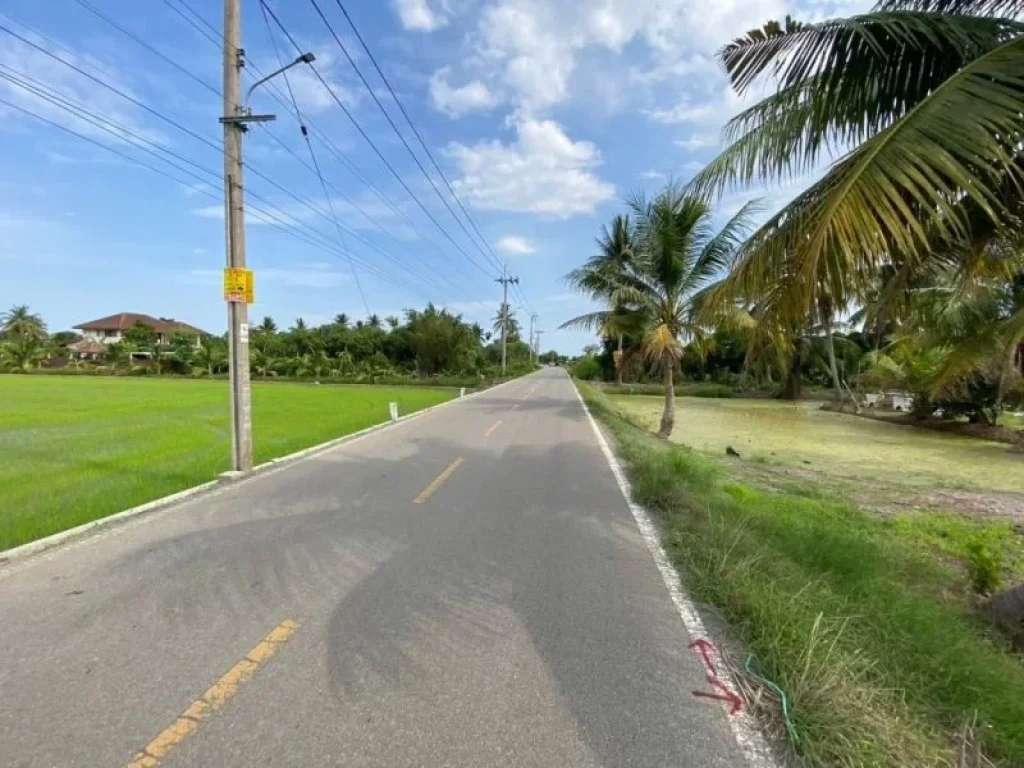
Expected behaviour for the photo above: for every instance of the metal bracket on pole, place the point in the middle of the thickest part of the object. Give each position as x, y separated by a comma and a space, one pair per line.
242, 120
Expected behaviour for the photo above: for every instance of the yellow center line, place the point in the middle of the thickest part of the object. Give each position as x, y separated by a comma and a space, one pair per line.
215, 697
441, 479
493, 427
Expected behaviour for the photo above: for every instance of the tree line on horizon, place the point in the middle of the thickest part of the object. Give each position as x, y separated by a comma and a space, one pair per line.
431, 342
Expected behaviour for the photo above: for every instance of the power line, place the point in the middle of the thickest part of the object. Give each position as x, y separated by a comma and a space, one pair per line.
321, 136
312, 154
394, 127
416, 132
97, 12
88, 6
373, 146
218, 40
212, 144
268, 216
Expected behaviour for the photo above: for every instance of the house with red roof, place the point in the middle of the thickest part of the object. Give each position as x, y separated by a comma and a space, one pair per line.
110, 330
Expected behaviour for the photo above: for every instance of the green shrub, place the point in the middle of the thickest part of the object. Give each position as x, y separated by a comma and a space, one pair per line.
986, 565
587, 368
706, 390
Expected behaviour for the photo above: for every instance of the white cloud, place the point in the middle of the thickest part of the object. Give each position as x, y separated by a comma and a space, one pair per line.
417, 15
654, 175
460, 100
533, 46
542, 172
514, 245
686, 111
310, 93
73, 87
523, 40
698, 141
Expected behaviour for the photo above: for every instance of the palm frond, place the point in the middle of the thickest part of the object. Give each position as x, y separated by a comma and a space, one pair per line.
721, 249
1005, 8
891, 53
661, 345
840, 82
994, 341
592, 321
900, 191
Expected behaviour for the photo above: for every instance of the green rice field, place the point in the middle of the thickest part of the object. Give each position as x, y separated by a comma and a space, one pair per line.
74, 450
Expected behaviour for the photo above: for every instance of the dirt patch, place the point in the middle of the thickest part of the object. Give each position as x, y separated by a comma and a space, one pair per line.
882, 498
990, 504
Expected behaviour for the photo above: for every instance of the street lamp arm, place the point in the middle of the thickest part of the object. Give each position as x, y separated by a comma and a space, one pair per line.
306, 58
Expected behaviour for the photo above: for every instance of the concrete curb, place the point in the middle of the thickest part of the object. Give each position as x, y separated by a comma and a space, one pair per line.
10, 556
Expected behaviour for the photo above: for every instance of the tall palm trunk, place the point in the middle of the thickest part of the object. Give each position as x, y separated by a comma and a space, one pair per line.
834, 369
618, 364
792, 386
668, 417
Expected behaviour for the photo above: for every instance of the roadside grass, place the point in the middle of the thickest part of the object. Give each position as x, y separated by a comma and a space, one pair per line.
686, 389
74, 449
867, 623
803, 435
1014, 420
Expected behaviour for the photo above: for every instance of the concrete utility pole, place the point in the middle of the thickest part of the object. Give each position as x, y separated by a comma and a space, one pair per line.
539, 332
238, 281
533, 319
238, 311
505, 281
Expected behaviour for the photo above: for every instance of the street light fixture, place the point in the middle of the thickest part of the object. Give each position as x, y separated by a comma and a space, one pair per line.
306, 58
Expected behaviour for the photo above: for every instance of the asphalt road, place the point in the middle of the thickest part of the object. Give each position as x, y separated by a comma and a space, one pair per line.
499, 611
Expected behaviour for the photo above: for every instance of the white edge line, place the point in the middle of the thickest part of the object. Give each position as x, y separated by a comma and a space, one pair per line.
743, 725
10, 556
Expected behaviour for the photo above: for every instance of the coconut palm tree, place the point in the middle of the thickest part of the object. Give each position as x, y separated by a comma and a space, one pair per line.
679, 257
20, 353
268, 326
341, 320
210, 356
20, 322
373, 321
598, 278
921, 101
505, 322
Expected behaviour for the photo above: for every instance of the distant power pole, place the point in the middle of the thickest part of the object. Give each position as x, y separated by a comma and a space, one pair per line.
533, 319
238, 310
539, 332
505, 281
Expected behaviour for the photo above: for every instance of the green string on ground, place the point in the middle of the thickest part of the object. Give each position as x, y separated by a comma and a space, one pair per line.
790, 728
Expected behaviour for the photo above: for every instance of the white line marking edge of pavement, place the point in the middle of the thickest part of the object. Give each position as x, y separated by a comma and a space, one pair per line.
81, 532
744, 728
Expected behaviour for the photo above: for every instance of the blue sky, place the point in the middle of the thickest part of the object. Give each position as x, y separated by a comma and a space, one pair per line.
542, 113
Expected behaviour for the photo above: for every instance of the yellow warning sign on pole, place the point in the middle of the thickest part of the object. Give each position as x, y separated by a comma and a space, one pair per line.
239, 285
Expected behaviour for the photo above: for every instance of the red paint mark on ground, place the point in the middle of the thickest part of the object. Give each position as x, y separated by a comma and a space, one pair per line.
707, 652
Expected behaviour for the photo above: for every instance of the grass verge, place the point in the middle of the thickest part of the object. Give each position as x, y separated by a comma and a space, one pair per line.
866, 626
692, 389
73, 450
